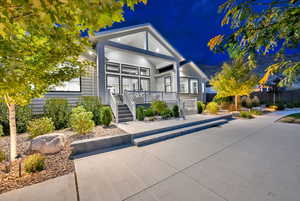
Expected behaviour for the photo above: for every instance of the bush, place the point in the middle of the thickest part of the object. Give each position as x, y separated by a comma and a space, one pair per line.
92, 104
166, 113
255, 101
1, 130
81, 120
159, 106
246, 102
34, 163
272, 107
140, 113
58, 110
212, 108
106, 116
23, 116
149, 112
256, 112
246, 115
222, 100
280, 106
2, 156
40, 126
175, 111
200, 107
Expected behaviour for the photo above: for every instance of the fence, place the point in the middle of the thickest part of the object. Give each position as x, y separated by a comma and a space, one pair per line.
288, 96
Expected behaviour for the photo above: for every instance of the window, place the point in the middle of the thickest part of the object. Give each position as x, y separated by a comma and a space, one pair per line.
130, 84
168, 84
194, 86
145, 71
113, 67
131, 70
113, 83
145, 84
70, 86
184, 85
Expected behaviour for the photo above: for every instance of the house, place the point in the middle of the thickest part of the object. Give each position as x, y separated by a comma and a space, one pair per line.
134, 65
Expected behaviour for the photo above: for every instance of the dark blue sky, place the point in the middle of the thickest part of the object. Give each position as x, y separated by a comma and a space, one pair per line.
186, 24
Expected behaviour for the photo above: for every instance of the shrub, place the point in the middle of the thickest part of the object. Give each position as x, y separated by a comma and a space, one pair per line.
81, 120
222, 100
280, 106
92, 104
159, 106
140, 113
34, 163
255, 101
23, 116
200, 107
175, 111
273, 107
166, 113
2, 156
1, 130
40, 126
149, 112
212, 108
246, 102
256, 112
106, 116
246, 115
58, 110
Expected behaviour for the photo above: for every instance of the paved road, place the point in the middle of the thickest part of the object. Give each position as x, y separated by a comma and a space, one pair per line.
245, 160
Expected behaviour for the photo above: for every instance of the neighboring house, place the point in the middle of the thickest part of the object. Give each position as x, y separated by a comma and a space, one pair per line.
134, 65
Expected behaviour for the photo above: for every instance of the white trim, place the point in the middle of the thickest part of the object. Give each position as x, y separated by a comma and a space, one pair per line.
196, 68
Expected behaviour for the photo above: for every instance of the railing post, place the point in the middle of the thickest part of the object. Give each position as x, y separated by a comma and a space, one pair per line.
162, 96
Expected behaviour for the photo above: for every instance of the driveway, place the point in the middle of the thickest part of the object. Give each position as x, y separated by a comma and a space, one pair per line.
244, 160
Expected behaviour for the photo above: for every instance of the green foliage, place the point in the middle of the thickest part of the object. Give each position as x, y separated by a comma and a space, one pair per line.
81, 120
106, 116
140, 115
200, 107
2, 156
280, 106
221, 100
92, 104
23, 116
58, 110
255, 101
158, 106
149, 112
212, 108
166, 113
256, 112
34, 163
40, 126
260, 28
175, 111
246, 115
1, 131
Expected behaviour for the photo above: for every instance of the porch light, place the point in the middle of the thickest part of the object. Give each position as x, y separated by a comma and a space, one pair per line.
90, 52
118, 39
157, 50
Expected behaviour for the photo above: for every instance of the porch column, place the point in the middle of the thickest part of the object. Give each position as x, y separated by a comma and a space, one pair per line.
101, 72
177, 76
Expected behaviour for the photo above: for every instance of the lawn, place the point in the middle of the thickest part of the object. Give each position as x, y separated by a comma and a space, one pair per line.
292, 118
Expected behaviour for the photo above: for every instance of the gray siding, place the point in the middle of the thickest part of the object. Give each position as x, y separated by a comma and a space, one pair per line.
88, 88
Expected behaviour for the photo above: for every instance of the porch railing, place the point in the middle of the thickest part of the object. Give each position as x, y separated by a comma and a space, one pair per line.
142, 97
113, 104
128, 100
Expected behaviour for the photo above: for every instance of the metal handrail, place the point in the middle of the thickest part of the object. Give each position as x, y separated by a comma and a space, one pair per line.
128, 100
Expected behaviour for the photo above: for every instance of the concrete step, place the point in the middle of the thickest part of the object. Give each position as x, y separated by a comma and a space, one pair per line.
125, 115
125, 119
150, 139
124, 112
184, 125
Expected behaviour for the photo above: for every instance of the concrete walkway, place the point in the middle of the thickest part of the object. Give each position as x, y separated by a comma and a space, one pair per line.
244, 160
132, 127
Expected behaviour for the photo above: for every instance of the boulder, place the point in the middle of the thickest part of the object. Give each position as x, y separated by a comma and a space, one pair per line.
48, 143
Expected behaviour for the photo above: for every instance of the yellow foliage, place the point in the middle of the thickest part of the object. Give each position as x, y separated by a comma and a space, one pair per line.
217, 40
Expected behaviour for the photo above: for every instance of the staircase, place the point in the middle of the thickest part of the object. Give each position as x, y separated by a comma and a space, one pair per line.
153, 136
124, 113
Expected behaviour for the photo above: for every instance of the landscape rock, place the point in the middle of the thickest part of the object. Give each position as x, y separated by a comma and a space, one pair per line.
48, 143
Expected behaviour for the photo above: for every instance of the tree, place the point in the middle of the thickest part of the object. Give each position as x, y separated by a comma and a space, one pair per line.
235, 79
262, 27
40, 45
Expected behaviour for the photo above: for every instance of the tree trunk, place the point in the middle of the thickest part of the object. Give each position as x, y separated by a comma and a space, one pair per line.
13, 131
236, 102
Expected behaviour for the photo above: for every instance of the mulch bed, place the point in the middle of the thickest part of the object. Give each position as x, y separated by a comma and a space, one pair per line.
56, 164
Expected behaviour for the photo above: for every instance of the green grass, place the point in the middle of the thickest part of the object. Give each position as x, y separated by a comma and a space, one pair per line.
292, 118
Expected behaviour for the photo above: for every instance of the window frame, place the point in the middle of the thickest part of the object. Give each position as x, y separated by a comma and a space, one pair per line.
191, 86
129, 66
149, 82
145, 68
131, 77
109, 71
113, 75
165, 86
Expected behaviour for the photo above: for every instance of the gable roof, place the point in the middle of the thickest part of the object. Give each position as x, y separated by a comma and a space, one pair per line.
191, 64
115, 33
